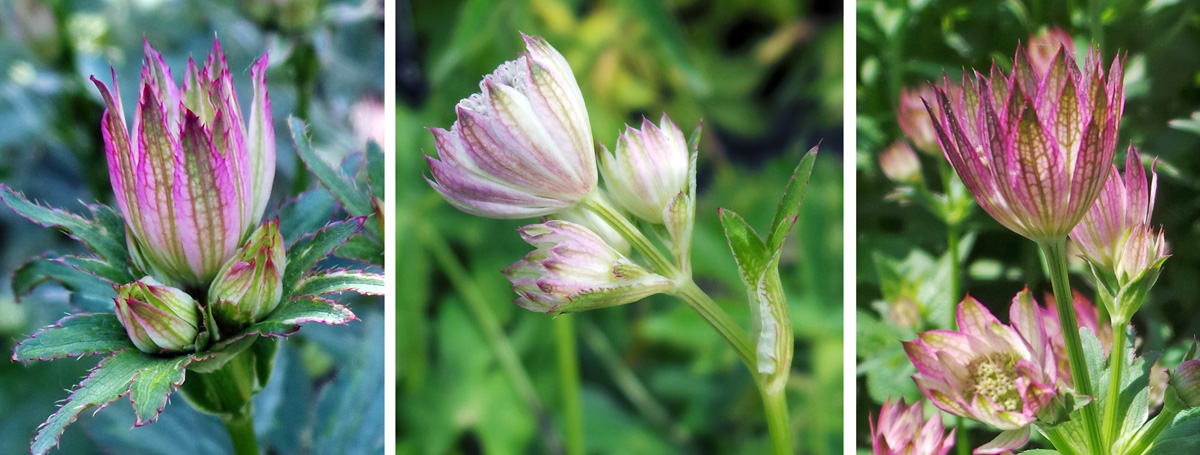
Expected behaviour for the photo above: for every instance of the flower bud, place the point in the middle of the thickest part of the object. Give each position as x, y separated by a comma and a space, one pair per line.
574, 269
1045, 44
900, 164
648, 169
158, 318
1185, 380
250, 285
193, 175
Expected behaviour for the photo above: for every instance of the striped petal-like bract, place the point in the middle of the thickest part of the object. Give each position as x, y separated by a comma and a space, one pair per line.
250, 285
193, 174
1034, 148
1001, 375
573, 269
158, 318
522, 147
903, 430
648, 168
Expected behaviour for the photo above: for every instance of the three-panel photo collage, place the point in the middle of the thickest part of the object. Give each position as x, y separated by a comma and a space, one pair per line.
594, 227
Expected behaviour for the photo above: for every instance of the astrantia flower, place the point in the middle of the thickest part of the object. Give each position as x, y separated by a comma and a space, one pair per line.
1034, 148
193, 175
1124, 204
523, 146
914, 118
648, 168
903, 430
250, 285
157, 318
1044, 45
1001, 375
573, 269
1086, 315
900, 163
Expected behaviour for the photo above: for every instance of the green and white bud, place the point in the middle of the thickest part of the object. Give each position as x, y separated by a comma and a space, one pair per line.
648, 169
158, 318
250, 285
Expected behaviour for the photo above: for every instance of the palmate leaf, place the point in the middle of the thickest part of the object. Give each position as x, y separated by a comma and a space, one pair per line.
308, 250
74, 336
339, 281
104, 235
95, 293
356, 202
289, 316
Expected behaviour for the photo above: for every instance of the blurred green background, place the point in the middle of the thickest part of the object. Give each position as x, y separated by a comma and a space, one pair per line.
326, 66
479, 375
902, 44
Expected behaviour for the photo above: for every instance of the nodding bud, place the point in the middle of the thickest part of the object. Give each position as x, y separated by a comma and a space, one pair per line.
158, 318
250, 285
1186, 382
574, 269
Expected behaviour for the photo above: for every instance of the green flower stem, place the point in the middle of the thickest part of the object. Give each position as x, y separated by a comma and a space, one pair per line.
1160, 422
568, 370
777, 420
1058, 440
1116, 363
962, 440
481, 311
1056, 261
241, 430
775, 405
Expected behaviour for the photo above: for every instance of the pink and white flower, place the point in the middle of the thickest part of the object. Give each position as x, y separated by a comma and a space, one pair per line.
903, 430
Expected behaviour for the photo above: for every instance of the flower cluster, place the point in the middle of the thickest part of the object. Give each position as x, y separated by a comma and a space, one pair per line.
903, 430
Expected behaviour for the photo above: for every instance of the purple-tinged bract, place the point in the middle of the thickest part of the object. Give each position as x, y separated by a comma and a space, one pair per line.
647, 169
250, 285
522, 147
1001, 375
573, 269
1034, 148
193, 175
903, 430
1124, 205
157, 318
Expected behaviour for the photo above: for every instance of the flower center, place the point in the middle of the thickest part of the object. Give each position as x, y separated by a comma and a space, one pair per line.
995, 377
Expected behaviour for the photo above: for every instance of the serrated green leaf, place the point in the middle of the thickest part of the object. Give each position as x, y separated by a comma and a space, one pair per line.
67, 272
748, 250
307, 213
362, 248
107, 382
73, 336
789, 205
1180, 436
97, 236
309, 309
307, 251
375, 167
354, 200
151, 387
339, 281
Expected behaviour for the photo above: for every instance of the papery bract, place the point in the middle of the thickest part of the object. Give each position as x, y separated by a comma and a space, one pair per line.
903, 430
1034, 148
647, 169
250, 285
573, 269
523, 146
1001, 375
1125, 203
193, 176
158, 318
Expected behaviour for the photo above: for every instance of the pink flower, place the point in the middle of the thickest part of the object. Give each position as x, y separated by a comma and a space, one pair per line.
1124, 204
193, 175
523, 146
1001, 375
1044, 45
903, 430
914, 118
1034, 148
900, 164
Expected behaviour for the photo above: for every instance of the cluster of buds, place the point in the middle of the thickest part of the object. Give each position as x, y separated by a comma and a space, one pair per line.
903, 430
1002, 375
1034, 148
523, 148
1116, 238
192, 178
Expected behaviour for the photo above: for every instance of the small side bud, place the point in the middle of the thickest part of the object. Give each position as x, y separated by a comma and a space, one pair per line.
648, 168
574, 269
158, 318
1186, 382
250, 285
900, 164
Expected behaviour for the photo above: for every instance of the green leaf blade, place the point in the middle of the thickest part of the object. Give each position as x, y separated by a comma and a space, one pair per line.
308, 250
74, 336
107, 382
789, 205
339, 281
355, 201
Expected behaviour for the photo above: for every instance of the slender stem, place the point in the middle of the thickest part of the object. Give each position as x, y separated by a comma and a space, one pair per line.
568, 370
736, 337
962, 441
775, 404
952, 238
1056, 261
1058, 440
1160, 422
241, 431
639, 241
1116, 364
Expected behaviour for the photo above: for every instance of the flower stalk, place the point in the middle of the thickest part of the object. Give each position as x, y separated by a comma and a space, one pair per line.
1055, 251
1116, 365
